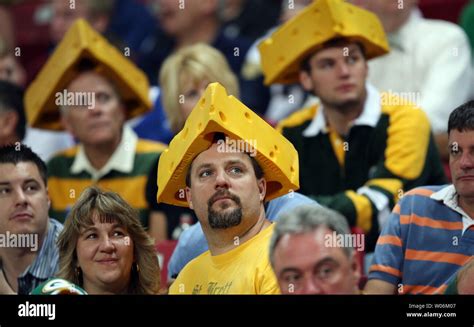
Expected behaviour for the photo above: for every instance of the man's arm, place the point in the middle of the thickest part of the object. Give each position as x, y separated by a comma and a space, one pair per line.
286, 203
386, 272
377, 286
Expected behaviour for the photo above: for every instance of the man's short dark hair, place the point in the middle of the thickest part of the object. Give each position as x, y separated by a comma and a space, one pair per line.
11, 99
16, 153
221, 136
462, 118
336, 42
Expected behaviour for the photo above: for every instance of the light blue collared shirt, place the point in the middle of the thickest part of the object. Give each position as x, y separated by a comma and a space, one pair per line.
46, 263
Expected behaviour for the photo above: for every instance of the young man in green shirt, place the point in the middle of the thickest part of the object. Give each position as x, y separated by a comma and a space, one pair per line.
359, 149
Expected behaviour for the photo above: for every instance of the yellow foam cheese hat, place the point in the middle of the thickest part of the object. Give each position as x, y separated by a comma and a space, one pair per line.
216, 112
83, 42
281, 53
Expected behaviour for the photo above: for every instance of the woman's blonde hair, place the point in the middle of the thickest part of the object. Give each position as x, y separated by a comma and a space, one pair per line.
197, 62
109, 207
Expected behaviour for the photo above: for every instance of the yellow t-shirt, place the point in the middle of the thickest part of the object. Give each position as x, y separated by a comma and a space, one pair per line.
243, 270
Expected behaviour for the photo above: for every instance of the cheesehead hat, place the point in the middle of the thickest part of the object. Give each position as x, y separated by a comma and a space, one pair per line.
282, 53
80, 43
216, 112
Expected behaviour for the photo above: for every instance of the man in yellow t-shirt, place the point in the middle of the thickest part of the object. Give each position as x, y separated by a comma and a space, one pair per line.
225, 172
241, 270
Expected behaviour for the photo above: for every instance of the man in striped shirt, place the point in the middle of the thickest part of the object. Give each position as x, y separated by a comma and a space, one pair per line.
28, 251
430, 233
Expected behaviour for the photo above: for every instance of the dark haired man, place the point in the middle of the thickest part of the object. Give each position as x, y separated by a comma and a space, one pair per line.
430, 233
28, 250
227, 188
359, 149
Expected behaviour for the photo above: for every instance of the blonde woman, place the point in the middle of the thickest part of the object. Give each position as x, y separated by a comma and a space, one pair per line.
185, 75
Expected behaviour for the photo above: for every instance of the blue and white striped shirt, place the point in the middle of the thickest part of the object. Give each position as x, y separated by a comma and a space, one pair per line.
46, 263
